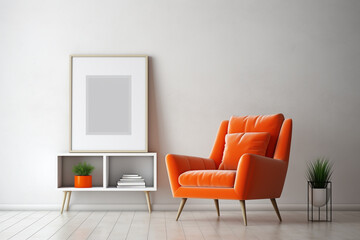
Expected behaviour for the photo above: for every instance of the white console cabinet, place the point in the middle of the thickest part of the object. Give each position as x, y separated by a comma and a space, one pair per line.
109, 168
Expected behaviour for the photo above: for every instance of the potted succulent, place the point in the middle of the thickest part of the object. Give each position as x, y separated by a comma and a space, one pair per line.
319, 174
82, 171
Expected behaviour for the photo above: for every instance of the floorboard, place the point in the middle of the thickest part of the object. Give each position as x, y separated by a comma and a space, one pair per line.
7, 215
106, 225
87, 227
190, 227
122, 226
207, 229
66, 230
174, 229
139, 227
22, 224
157, 226
8, 223
50, 229
223, 230
36, 226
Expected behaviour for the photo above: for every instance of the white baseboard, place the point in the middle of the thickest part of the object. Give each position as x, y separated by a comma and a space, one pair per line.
170, 207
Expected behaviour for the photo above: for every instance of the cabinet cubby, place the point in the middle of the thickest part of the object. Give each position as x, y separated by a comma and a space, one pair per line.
119, 165
66, 164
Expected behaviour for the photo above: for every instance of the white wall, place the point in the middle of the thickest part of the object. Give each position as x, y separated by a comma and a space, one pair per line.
210, 59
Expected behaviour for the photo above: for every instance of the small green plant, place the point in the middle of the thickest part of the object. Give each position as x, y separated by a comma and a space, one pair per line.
83, 169
319, 172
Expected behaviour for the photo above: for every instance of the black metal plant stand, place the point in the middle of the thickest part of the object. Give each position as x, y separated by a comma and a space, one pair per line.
310, 204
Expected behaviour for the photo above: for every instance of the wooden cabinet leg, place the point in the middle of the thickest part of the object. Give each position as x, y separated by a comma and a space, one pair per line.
148, 201
68, 201
63, 203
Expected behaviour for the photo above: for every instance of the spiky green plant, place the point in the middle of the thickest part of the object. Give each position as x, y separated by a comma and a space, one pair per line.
83, 169
319, 172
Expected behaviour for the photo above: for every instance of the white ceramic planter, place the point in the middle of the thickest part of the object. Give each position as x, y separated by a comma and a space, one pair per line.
319, 196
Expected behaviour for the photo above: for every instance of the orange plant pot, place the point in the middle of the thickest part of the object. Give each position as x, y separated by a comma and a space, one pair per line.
83, 181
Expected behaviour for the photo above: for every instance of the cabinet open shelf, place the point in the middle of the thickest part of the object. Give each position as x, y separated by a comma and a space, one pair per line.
107, 189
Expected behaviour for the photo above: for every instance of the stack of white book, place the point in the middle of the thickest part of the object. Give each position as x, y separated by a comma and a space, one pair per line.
131, 180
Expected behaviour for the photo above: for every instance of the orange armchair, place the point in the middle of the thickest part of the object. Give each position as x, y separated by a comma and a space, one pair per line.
256, 176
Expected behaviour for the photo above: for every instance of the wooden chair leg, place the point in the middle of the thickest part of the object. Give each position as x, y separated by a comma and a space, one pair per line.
182, 204
273, 201
217, 206
68, 201
63, 203
243, 208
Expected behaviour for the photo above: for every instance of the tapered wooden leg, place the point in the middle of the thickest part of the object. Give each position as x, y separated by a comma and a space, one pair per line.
243, 208
148, 201
217, 206
273, 201
68, 201
182, 204
63, 203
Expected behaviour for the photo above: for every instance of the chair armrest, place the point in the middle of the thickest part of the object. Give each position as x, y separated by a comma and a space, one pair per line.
178, 164
259, 177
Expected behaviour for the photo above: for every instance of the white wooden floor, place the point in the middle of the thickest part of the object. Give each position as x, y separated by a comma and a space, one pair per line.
162, 225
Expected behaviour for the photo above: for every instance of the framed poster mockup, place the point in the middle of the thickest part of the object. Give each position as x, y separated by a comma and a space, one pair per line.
108, 103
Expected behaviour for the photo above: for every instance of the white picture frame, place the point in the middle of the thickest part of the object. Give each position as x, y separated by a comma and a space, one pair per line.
108, 103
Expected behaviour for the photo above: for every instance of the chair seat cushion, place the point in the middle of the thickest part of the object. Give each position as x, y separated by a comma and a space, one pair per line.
208, 178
